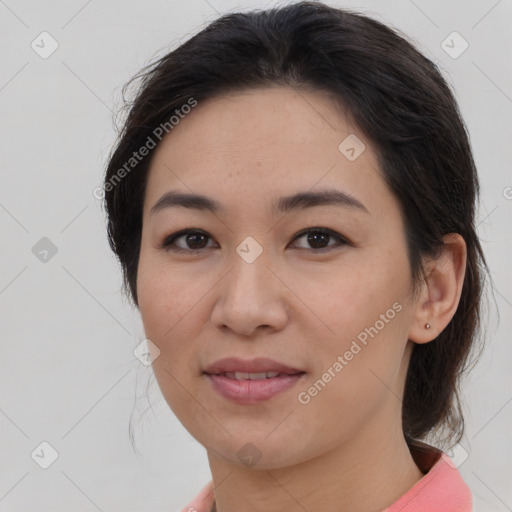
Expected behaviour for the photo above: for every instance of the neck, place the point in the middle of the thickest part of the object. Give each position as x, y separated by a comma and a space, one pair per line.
368, 473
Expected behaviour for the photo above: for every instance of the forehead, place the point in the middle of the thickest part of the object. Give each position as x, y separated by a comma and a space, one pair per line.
260, 143
247, 120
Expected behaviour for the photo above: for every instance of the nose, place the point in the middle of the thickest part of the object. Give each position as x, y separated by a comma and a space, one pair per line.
250, 298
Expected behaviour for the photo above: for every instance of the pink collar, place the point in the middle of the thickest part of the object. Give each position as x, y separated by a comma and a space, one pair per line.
442, 489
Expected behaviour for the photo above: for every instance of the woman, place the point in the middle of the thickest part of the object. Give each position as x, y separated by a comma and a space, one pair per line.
292, 202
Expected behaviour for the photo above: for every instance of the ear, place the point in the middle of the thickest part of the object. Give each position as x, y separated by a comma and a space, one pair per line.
441, 289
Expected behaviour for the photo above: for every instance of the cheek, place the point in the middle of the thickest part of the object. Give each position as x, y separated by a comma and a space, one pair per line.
173, 309
366, 312
353, 297
165, 296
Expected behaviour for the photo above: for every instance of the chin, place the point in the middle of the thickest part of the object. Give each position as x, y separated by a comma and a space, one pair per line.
257, 449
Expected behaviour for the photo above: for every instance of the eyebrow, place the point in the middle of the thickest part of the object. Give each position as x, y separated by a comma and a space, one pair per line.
300, 200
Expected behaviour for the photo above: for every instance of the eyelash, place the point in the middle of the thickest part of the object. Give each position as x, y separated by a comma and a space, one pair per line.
168, 246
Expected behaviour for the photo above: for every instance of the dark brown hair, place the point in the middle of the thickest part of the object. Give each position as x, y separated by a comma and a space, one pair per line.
397, 97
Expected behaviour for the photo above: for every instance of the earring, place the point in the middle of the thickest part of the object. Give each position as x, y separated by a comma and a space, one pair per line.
427, 326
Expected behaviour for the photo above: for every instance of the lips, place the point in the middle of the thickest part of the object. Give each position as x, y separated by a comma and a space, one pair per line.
253, 369
251, 382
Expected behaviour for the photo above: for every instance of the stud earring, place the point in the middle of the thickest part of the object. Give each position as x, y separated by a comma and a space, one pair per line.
427, 326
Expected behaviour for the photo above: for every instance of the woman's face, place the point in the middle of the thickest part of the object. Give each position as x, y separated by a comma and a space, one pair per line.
251, 282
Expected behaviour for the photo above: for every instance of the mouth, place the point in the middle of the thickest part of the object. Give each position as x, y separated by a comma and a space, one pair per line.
248, 368
250, 382
253, 376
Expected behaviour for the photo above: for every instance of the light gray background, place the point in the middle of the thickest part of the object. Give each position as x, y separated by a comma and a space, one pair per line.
68, 374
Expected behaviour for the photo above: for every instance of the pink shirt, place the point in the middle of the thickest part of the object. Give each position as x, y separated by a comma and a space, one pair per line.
440, 490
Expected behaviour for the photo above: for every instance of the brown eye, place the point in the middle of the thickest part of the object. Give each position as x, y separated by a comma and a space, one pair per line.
190, 240
318, 239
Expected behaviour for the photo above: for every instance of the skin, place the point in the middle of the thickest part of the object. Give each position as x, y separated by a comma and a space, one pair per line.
292, 304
